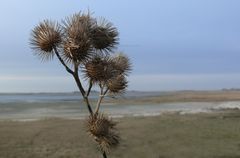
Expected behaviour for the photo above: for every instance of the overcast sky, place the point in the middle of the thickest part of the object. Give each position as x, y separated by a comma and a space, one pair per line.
173, 44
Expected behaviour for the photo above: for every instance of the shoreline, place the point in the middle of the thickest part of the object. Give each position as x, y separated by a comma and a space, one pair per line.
181, 96
226, 111
183, 102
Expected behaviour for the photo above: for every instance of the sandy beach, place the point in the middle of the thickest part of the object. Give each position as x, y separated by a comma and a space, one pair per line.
192, 124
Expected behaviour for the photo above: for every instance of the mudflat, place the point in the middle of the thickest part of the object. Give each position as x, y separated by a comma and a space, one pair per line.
181, 96
211, 135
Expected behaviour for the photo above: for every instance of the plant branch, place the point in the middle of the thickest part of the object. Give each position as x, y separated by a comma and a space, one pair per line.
105, 92
61, 60
89, 88
104, 155
101, 96
98, 104
76, 77
80, 87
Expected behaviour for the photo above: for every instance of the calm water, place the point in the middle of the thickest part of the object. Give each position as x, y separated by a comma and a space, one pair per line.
40, 97
69, 105
61, 97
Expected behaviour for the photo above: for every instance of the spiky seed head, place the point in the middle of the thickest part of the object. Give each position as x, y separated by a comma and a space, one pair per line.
103, 130
77, 52
117, 84
122, 63
45, 37
104, 36
99, 69
77, 45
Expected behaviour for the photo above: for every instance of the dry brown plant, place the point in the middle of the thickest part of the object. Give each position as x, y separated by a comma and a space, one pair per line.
103, 131
84, 44
45, 37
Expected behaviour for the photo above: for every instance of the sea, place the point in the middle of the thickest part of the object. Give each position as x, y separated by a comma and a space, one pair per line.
35, 106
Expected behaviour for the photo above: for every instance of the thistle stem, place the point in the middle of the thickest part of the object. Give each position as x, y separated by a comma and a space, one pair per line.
98, 103
76, 77
62, 62
104, 155
101, 96
89, 88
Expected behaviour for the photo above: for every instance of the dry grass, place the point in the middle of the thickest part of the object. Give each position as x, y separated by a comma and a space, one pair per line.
167, 136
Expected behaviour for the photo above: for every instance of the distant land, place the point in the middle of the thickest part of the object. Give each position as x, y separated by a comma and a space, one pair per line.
179, 96
127, 92
137, 97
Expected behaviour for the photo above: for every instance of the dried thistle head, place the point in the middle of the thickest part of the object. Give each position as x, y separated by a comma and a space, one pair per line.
99, 69
103, 131
104, 35
45, 37
117, 84
77, 52
122, 63
77, 44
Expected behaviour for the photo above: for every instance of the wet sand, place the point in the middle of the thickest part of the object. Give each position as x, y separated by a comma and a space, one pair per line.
146, 104
170, 125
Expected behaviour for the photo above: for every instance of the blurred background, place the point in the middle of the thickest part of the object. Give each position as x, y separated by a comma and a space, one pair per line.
173, 45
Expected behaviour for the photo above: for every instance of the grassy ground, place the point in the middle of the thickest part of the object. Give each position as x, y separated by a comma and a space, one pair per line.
167, 136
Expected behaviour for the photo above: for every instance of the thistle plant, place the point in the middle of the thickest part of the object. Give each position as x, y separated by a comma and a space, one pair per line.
85, 45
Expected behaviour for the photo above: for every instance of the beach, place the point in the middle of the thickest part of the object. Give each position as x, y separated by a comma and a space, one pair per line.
166, 136
155, 125
27, 107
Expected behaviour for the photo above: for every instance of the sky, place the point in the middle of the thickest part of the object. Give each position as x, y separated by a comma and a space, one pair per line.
173, 45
